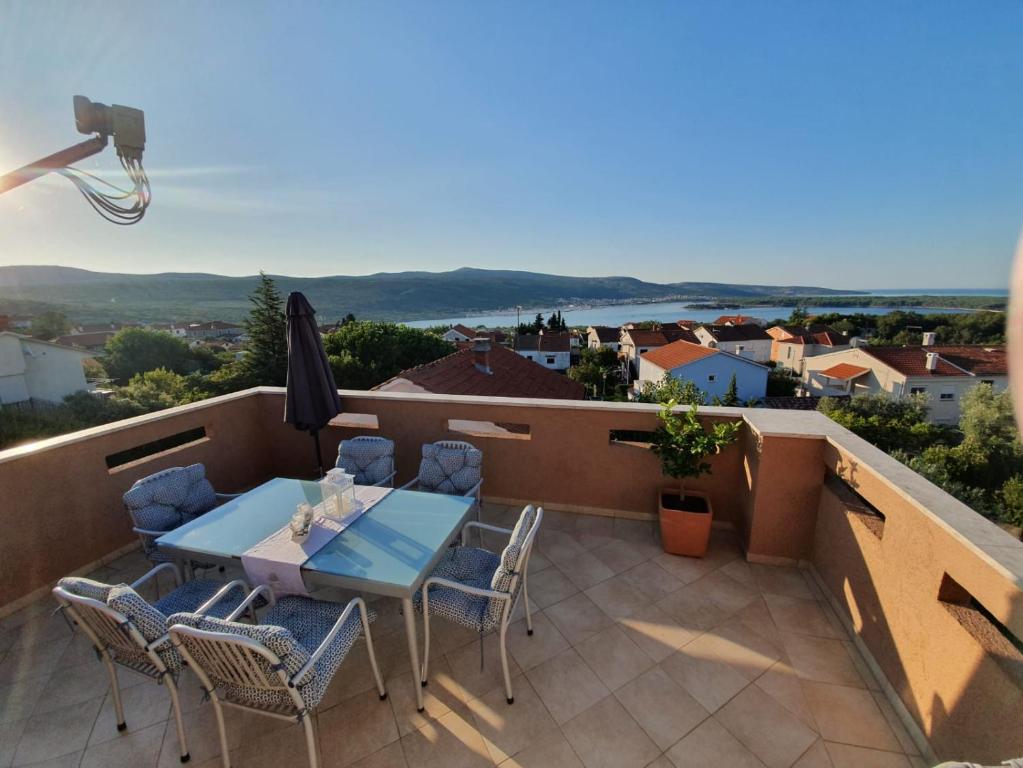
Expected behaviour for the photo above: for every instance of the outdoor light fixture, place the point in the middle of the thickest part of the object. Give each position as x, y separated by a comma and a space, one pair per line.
127, 127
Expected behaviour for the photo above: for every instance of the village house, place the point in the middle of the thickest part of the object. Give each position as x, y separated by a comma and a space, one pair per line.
636, 341
748, 340
598, 336
710, 369
794, 343
94, 342
33, 370
461, 334
551, 350
217, 329
738, 320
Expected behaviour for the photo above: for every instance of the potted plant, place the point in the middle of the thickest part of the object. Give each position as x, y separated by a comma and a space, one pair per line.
683, 445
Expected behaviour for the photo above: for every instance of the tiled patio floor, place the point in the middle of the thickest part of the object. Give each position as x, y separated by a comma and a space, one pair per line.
639, 658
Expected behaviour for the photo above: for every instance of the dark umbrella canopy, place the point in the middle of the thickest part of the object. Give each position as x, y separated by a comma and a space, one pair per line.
312, 394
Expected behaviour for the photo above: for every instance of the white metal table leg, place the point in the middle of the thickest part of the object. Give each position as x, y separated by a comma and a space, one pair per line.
413, 650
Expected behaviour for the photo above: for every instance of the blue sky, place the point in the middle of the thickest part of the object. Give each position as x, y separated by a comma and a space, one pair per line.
838, 144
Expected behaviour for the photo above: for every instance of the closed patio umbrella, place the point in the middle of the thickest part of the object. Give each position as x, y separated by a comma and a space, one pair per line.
312, 394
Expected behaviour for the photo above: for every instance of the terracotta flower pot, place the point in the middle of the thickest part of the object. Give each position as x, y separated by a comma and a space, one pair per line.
685, 522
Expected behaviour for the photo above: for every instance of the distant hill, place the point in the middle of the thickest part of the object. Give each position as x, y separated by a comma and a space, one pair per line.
99, 296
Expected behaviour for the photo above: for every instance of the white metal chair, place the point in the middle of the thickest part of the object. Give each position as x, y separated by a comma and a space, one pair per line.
124, 629
369, 458
479, 589
453, 467
279, 668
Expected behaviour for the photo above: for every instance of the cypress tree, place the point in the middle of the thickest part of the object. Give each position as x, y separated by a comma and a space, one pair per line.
266, 359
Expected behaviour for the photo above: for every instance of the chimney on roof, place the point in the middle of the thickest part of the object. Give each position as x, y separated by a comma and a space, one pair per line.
932, 361
930, 337
481, 354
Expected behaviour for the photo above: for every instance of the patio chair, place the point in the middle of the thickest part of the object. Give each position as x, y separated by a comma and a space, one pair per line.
453, 467
370, 459
159, 503
124, 629
279, 668
479, 589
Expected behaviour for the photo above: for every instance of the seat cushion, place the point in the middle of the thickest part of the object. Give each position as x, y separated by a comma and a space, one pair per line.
471, 567
190, 595
449, 470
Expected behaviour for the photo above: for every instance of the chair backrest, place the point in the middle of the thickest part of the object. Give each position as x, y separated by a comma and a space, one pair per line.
253, 664
167, 499
515, 557
369, 458
450, 466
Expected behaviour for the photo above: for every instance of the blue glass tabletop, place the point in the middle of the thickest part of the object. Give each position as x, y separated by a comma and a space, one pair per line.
389, 549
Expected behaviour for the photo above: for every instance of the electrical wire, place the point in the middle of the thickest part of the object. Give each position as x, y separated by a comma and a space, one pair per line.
114, 207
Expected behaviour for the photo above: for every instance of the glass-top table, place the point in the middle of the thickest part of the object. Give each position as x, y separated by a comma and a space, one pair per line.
389, 550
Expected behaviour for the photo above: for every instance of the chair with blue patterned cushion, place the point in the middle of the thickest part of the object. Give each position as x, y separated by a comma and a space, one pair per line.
453, 467
124, 629
479, 589
369, 458
281, 667
161, 502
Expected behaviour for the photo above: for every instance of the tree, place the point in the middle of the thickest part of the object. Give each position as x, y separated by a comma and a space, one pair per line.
671, 388
780, 383
595, 370
266, 359
682, 442
556, 322
888, 423
137, 350
732, 394
365, 353
799, 316
156, 390
49, 325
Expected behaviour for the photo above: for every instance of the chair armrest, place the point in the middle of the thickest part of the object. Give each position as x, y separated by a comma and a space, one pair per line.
261, 589
173, 568
485, 527
409, 484
221, 594
356, 602
147, 532
474, 491
388, 479
435, 581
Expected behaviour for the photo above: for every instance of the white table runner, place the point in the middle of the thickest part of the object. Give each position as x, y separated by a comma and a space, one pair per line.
277, 560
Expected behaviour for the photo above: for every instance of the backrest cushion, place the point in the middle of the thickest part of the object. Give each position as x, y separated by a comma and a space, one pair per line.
163, 501
78, 585
369, 460
511, 560
151, 624
450, 470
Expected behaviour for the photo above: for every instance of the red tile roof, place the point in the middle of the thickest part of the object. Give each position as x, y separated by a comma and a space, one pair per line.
511, 376
827, 338
548, 342
737, 332
678, 353
666, 335
606, 334
844, 371
86, 340
953, 360
735, 320
464, 330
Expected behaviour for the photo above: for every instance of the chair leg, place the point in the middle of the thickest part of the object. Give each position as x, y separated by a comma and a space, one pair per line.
504, 664
179, 722
115, 691
426, 644
310, 740
225, 752
373, 661
525, 596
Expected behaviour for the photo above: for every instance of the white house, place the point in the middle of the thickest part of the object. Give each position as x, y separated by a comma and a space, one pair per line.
748, 340
458, 332
598, 336
792, 344
943, 373
636, 341
551, 350
710, 369
38, 370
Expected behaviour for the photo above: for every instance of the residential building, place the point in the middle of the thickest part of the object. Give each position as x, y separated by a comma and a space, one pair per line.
598, 336
942, 372
485, 369
748, 340
551, 350
709, 368
174, 329
38, 370
794, 343
216, 329
738, 320
93, 342
83, 328
459, 334
636, 341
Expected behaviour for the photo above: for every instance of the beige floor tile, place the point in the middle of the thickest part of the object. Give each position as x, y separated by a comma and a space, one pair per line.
464, 667
74, 685
758, 618
31, 660
593, 531
815, 757
766, 728
450, 742
132, 750
849, 716
710, 745
10, 733
866, 675
440, 696
355, 676
509, 728
446, 637
847, 756
619, 555
709, 680
692, 609
72, 760
655, 632
144, 705
684, 569
19, 698
566, 685
537, 562
651, 581
558, 546
727, 593
739, 570
636, 531
41, 630
550, 586
606, 736
895, 723
801, 617
782, 684
779, 580
617, 598
577, 618
661, 707
820, 659
614, 657
584, 570
558, 520
57, 733
79, 651
358, 727
747, 651
391, 756
204, 740
530, 650
550, 751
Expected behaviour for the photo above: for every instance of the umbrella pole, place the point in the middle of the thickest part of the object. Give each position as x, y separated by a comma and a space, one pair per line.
319, 455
